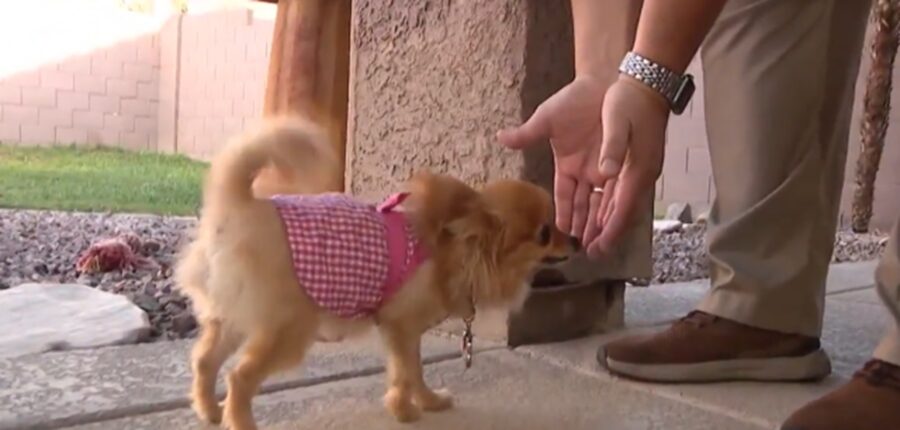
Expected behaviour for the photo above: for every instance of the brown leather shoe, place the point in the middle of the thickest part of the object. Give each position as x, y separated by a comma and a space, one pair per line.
871, 400
703, 348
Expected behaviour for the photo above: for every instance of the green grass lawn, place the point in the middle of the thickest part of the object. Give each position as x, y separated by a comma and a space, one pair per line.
98, 179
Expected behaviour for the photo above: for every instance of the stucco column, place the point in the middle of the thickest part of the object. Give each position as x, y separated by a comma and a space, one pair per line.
432, 81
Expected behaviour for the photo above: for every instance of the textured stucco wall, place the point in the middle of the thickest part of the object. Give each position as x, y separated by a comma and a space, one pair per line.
430, 83
433, 80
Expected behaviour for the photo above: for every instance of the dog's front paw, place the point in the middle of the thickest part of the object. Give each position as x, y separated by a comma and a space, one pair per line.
434, 401
400, 406
237, 421
208, 411
236, 424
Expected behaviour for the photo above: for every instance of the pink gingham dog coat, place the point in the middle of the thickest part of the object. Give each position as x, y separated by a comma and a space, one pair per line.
349, 256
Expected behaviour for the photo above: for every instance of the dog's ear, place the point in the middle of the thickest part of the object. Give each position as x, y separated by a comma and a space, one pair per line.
447, 206
473, 221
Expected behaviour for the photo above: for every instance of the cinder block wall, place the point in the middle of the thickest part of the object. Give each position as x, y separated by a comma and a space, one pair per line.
71, 73
90, 73
220, 77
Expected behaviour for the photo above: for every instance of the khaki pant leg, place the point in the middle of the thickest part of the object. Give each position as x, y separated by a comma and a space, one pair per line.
887, 279
779, 85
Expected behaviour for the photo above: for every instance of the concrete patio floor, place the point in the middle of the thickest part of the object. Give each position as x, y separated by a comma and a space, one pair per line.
536, 387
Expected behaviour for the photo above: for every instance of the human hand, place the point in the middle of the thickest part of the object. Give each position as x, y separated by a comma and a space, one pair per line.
571, 120
634, 121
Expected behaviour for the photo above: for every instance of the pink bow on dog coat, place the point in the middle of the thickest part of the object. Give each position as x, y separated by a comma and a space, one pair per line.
349, 256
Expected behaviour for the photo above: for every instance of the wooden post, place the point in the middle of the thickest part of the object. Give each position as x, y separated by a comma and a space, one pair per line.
309, 66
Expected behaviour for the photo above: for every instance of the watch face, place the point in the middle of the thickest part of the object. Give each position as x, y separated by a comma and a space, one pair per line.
683, 95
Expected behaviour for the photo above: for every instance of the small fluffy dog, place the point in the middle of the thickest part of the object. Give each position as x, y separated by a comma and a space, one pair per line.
271, 275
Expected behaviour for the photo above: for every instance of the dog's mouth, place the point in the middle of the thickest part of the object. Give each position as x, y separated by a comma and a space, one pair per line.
551, 259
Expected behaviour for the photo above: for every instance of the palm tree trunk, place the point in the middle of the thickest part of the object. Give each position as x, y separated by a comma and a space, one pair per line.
877, 106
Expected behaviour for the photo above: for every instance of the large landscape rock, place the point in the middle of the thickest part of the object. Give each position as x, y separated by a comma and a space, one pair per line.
47, 317
680, 212
666, 226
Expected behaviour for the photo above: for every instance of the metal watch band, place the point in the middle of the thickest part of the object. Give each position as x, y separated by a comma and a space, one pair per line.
677, 89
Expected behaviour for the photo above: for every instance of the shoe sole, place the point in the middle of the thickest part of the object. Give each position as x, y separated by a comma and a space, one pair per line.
813, 366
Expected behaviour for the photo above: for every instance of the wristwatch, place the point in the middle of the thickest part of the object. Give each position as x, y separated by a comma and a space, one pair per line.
677, 89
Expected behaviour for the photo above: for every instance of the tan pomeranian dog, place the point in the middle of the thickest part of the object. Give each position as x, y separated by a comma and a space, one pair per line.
269, 276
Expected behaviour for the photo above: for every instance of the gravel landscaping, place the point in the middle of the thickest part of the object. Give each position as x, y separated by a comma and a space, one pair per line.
39, 246
680, 255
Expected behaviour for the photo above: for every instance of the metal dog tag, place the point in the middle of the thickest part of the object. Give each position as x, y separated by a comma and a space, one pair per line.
468, 342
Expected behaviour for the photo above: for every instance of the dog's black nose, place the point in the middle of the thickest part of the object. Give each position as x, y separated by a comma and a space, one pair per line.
575, 242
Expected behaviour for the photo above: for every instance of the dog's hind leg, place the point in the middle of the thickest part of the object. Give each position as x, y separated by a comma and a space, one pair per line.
265, 352
210, 351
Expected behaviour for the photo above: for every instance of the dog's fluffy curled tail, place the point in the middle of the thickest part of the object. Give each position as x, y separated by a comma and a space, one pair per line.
304, 162
297, 149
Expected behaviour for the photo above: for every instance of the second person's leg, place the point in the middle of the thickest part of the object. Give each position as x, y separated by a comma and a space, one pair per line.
871, 398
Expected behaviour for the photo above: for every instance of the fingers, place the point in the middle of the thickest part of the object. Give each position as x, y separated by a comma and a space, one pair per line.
618, 216
580, 208
628, 197
592, 229
609, 211
534, 130
564, 195
616, 135
629, 192
607, 202
605, 208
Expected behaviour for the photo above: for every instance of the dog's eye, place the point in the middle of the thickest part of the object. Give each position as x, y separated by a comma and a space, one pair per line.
544, 235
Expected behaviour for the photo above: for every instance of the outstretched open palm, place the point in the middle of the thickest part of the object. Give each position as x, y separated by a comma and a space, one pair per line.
571, 120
